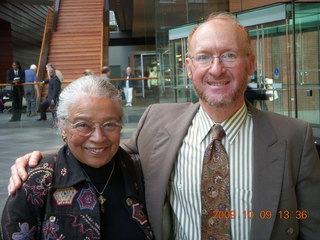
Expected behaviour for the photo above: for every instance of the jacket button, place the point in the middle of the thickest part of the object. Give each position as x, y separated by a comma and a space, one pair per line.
290, 231
129, 201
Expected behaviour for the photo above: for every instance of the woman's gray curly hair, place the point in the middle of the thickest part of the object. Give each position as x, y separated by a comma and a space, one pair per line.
79, 90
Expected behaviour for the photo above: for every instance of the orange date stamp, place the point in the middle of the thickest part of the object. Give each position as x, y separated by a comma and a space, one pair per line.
283, 214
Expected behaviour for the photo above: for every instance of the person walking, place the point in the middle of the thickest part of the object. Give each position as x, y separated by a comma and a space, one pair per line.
31, 92
128, 86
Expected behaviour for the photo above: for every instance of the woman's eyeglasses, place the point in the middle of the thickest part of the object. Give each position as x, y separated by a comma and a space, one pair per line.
86, 128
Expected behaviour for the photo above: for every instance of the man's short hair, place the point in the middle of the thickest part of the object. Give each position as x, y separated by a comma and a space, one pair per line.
105, 70
50, 65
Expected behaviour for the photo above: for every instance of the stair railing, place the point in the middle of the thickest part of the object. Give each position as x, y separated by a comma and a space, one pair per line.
105, 31
56, 13
51, 24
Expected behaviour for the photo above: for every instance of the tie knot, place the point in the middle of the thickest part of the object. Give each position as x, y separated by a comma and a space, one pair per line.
217, 132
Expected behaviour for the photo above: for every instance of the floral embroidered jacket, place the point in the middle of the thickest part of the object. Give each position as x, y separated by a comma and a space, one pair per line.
55, 204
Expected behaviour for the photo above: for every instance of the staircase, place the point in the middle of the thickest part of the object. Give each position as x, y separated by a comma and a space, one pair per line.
77, 43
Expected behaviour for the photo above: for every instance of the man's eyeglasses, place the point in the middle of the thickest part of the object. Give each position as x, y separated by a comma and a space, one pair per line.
86, 128
227, 59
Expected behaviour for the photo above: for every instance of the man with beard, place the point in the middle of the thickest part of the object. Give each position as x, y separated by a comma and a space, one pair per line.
274, 169
273, 164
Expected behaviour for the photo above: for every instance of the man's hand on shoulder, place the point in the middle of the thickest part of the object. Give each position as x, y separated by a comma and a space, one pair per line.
18, 170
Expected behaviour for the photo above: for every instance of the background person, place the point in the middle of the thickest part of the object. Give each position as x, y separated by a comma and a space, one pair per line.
91, 188
58, 73
88, 72
156, 83
128, 86
273, 163
31, 92
52, 98
105, 73
15, 76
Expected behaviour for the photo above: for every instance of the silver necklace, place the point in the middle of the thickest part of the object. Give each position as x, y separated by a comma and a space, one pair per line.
101, 198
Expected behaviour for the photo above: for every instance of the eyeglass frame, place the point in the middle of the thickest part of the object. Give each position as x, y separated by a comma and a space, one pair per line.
212, 57
93, 127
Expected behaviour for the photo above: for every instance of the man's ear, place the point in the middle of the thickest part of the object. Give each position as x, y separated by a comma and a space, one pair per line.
251, 64
188, 64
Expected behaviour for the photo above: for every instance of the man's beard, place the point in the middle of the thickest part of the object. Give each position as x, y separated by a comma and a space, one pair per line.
221, 101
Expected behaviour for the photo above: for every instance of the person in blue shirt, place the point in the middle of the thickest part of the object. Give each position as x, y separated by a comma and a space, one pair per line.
31, 92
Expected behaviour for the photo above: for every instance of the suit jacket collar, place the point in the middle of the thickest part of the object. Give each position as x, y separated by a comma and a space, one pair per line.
178, 130
166, 145
168, 140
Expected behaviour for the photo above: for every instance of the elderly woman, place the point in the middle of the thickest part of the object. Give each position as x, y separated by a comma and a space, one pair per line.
91, 189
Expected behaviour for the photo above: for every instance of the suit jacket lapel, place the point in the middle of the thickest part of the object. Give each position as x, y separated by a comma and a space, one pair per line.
268, 168
167, 142
177, 130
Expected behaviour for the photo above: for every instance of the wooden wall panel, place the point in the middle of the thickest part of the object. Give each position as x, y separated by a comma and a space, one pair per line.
27, 24
235, 5
6, 55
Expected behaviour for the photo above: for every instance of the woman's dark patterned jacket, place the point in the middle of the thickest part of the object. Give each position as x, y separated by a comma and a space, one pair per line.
57, 201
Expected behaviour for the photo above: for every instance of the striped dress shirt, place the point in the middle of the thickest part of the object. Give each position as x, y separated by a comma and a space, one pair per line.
185, 182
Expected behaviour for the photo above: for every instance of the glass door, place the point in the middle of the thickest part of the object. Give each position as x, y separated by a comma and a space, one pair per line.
143, 65
181, 84
287, 62
149, 61
271, 45
307, 38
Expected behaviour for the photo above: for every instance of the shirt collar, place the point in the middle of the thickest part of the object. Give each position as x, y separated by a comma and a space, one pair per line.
231, 125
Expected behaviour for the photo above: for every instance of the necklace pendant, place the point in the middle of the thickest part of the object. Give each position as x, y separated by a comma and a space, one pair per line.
102, 200
102, 208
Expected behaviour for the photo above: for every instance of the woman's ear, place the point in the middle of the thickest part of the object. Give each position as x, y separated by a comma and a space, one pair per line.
64, 135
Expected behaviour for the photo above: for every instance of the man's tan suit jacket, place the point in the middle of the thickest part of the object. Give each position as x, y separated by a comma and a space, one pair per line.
286, 168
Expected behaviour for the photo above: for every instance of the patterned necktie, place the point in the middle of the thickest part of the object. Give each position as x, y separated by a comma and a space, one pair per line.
215, 189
